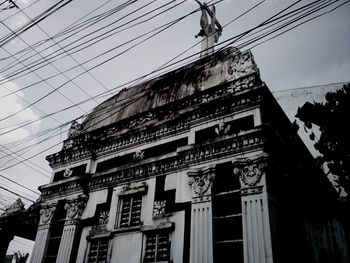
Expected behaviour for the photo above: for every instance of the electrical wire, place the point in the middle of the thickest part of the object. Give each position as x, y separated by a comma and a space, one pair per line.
329, 11
40, 63
18, 184
21, 196
42, 16
169, 65
157, 31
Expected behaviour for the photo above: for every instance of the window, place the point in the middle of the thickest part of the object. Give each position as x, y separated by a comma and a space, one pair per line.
130, 210
227, 215
157, 247
98, 250
54, 241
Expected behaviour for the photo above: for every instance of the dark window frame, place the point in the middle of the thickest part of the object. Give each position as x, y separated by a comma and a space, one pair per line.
155, 256
98, 252
130, 212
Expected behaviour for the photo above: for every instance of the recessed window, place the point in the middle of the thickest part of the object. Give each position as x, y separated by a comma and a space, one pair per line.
98, 251
130, 210
157, 247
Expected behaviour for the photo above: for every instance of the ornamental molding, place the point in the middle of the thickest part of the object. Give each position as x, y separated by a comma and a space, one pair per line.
250, 171
201, 181
67, 173
159, 208
222, 128
110, 138
46, 214
245, 142
15, 207
75, 209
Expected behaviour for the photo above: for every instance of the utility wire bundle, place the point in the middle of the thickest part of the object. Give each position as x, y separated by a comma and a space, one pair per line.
34, 57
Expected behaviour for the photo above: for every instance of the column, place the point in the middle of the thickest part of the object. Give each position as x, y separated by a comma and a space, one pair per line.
255, 214
70, 234
201, 244
42, 235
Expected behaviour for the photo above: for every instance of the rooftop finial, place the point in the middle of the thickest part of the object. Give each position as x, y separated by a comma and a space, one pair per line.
210, 32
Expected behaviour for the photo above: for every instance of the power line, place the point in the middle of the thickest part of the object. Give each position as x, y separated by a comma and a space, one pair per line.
22, 193
160, 29
17, 156
42, 16
39, 63
22, 9
18, 184
61, 33
169, 65
21, 196
319, 15
241, 34
32, 71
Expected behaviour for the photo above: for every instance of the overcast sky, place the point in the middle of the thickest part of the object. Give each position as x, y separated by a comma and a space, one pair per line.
317, 52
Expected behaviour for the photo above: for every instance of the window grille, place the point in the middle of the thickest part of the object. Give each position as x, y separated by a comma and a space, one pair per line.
98, 251
130, 211
157, 248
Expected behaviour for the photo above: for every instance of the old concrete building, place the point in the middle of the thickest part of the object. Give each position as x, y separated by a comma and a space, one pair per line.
198, 165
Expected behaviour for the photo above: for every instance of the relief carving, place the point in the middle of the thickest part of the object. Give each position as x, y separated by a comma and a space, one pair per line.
46, 214
74, 129
242, 65
201, 180
138, 155
67, 173
75, 208
159, 207
249, 171
222, 128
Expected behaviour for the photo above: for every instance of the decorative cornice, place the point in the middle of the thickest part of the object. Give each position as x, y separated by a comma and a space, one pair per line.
112, 138
250, 171
201, 181
75, 209
248, 141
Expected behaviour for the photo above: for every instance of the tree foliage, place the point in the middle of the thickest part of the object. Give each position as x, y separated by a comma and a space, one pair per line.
332, 118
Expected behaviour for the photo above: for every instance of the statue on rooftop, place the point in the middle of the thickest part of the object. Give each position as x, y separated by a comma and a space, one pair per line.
210, 31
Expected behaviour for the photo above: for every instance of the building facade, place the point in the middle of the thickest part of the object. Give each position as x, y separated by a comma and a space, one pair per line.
198, 165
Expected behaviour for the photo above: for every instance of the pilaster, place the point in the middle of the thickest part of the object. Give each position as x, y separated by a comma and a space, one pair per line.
71, 228
256, 226
46, 214
201, 245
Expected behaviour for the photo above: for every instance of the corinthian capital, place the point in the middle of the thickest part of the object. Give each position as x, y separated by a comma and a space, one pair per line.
201, 180
75, 208
250, 171
46, 214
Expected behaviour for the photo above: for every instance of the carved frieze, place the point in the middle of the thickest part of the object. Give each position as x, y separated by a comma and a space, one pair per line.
75, 209
201, 181
182, 160
46, 214
107, 140
250, 171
